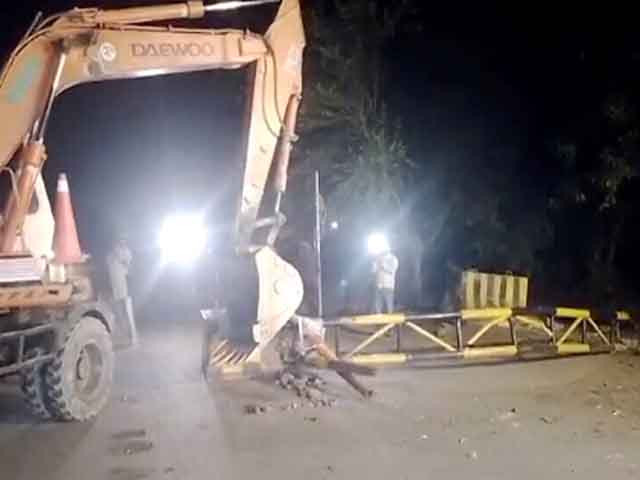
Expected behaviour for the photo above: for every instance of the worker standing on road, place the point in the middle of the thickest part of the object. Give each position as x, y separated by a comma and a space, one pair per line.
385, 267
118, 264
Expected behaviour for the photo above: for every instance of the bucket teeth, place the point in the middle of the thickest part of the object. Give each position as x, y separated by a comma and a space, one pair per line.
218, 353
240, 359
214, 350
232, 359
224, 354
227, 360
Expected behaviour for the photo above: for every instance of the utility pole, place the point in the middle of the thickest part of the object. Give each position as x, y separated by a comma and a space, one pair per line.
317, 245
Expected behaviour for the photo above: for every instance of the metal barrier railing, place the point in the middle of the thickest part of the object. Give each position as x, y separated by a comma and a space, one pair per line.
544, 320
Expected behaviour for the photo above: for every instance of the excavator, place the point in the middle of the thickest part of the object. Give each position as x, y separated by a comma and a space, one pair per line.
55, 331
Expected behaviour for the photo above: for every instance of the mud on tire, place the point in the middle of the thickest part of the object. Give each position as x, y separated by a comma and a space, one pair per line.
78, 380
33, 388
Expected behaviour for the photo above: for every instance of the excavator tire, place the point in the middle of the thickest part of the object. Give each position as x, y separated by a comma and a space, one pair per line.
33, 387
79, 378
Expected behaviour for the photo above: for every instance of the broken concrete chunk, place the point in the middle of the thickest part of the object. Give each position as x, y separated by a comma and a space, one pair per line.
256, 409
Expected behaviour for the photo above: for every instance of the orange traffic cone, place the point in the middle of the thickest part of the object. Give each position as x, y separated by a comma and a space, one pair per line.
66, 245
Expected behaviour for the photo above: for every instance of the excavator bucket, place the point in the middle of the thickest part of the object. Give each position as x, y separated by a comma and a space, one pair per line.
262, 293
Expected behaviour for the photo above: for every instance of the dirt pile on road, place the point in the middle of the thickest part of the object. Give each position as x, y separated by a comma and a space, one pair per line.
309, 389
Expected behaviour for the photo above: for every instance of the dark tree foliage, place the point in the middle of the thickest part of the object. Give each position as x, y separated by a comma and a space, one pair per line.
599, 180
457, 191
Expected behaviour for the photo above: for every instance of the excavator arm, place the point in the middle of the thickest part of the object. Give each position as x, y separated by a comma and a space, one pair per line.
93, 45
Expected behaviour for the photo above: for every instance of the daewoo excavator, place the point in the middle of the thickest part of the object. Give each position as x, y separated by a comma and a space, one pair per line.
53, 329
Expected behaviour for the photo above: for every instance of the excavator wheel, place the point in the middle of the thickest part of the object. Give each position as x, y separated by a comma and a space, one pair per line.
262, 293
78, 379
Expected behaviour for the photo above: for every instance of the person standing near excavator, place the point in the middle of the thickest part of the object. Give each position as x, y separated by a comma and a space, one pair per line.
118, 264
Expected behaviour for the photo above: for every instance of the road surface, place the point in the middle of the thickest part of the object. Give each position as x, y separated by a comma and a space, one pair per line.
571, 418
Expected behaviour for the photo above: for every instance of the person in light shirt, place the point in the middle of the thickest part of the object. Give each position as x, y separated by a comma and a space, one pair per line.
118, 264
385, 267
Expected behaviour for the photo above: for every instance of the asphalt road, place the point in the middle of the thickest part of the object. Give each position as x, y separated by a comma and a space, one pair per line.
571, 418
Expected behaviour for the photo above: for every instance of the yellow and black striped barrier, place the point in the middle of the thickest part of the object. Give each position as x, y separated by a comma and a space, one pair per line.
481, 290
559, 328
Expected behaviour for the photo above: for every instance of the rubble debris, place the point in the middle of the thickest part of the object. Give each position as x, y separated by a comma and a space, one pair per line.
254, 409
313, 395
290, 406
309, 388
314, 381
129, 434
473, 455
462, 440
548, 420
122, 473
285, 380
311, 419
616, 413
137, 446
424, 436
508, 415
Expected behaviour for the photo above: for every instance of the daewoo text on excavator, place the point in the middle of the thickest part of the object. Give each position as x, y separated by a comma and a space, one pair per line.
53, 329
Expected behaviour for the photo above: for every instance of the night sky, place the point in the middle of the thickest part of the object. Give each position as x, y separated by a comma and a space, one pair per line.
516, 75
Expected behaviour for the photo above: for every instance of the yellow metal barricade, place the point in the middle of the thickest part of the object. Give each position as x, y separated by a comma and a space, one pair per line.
565, 331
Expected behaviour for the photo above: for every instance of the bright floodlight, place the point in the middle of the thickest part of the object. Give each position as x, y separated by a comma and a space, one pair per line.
377, 243
334, 225
182, 239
